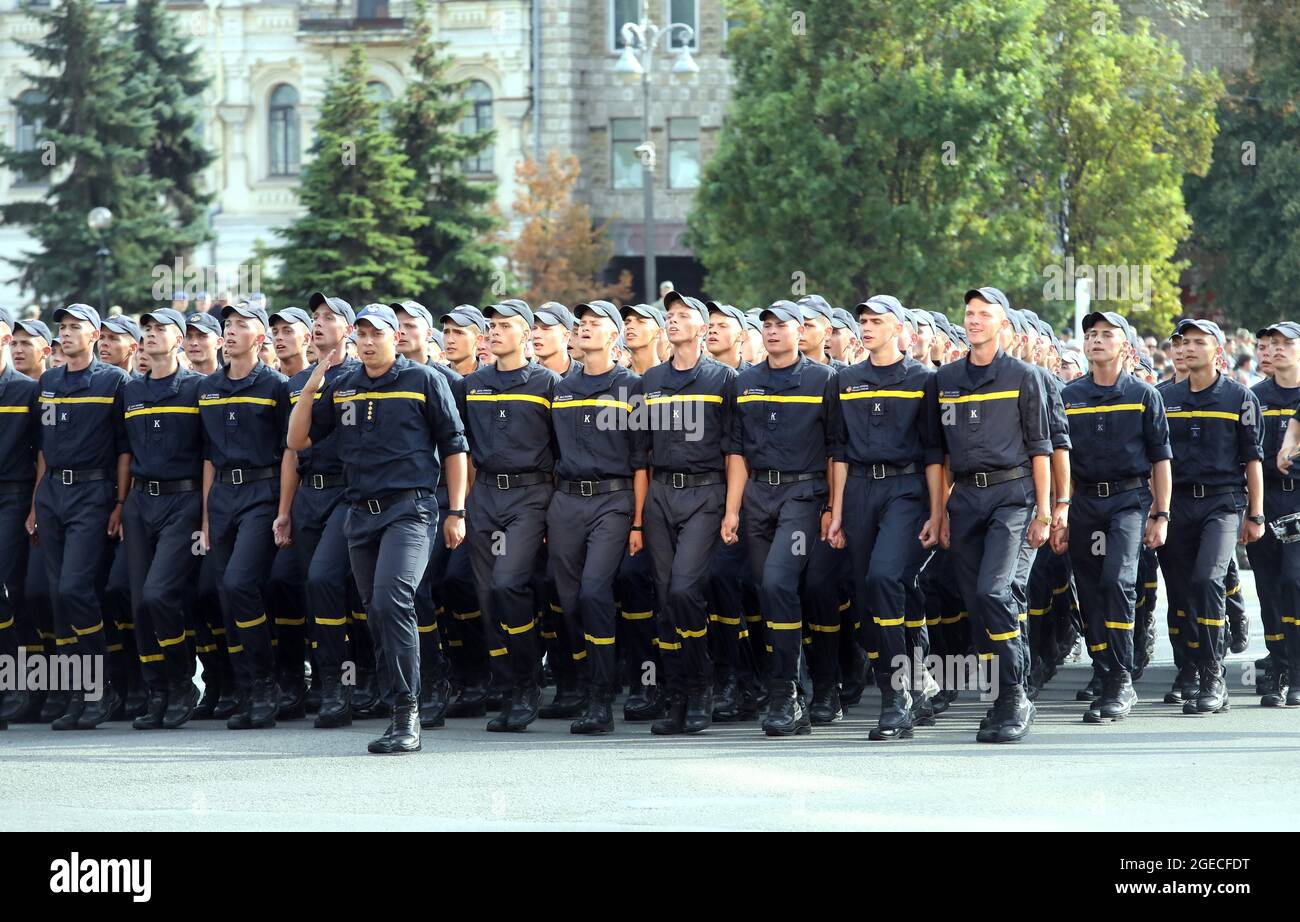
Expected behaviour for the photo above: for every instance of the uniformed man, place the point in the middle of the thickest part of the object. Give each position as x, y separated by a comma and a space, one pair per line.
844, 344
203, 342
162, 515
690, 417
291, 334
1279, 593
643, 330
993, 409
595, 512
553, 330
247, 490
462, 331
19, 443
396, 427
119, 341
1120, 440
30, 348
506, 407
887, 497
81, 481
1216, 432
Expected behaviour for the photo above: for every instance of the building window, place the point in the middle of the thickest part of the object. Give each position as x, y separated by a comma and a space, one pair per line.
622, 11
29, 131
686, 11
286, 146
683, 153
381, 94
625, 165
478, 119
372, 9
661, 14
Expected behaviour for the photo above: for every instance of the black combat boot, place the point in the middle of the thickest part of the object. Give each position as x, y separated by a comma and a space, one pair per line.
1211, 695
644, 702
97, 712
1117, 699
1185, 685
856, 679
311, 701
154, 709
231, 701
1238, 629
435, 698
747, 704
182, 697
825, 707
674, 716
55, 706
599, 717
135, 702
525, 702
73, 705
470, 701
896, 718
335, 703
403, 733
292, 697
726, 697
1013, 713
23, 707
1092, 691
699, 708
785, 712
366, 700
264, 704
1275, 691
241, 718
570, 699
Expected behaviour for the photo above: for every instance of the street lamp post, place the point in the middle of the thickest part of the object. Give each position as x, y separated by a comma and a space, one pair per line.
640, 42
99, 220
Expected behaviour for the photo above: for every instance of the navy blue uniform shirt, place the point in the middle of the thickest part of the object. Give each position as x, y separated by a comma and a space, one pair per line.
590, 414
82, 428
1278, 404
997, 424
244, 421
20, 424
1056, 421
323, 457
783, 419
689, 416
1214, 432
507, 417
391, 432
1117, 432
888, 414
163, 427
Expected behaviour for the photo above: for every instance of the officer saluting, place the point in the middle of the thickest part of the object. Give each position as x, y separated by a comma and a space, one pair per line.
1120, 439
83, 456
1216, 431
161, 515
887, 495
993, 409
395, 427
244, 408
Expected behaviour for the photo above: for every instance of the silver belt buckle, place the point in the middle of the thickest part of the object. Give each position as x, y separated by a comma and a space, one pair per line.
1198, 491
237, 476
373, 507
774, 478
981, 479
66, 477
318, 481
679, 480
877, 472
503, 481
1103, 490
587, 487
1288, 485
154, 488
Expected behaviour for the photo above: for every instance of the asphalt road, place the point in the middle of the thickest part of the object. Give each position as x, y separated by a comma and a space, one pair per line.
1157, 770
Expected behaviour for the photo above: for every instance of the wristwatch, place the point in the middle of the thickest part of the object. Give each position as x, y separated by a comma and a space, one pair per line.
1257, 519
1159, 515
1044, 519
459, 512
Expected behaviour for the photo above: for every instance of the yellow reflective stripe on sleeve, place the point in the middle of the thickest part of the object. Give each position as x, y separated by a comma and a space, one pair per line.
1112, 408
683, 398
105, 400
785, 625
1119, 625
596, 402
381, 395
904, 395
156, 411
637, 615
1202, 414
1289, 412
260, 619
219, 401
492, 398
332, 622
607, 641
779, 398
889, 622
1003, 635
294, 398
992, 395
15, 409
171, 641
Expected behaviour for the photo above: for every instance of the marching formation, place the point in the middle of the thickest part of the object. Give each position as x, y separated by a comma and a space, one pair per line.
733, 516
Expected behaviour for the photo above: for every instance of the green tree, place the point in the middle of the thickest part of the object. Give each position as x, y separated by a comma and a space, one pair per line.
356, 238
177, 79
96, 121
457, 242
1247, 230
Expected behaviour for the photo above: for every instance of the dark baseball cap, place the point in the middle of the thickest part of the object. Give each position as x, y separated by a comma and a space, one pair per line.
676, 297
882, 304
436, 336
292, 315
989, 294
604, 309
246, 309
465, 315
415, 309
784, 311
648, 311
921, 318
752, 321
727, 310
337, 305
553, 313
1205, 326
816, 305
34, 328
511, 307
378, 315
1288, 328
79, 311
1114, 319
165, 315
844, 320
203, 321
941, 323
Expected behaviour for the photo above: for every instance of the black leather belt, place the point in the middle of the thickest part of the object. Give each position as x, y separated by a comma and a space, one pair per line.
1201, 490
983, 479
163, 487
777, 478
15, 486
881, 471
596, 487
237, 475
680, 481
324, 481
1108, 488
510, 481
383, 503
1285, 484
66, 476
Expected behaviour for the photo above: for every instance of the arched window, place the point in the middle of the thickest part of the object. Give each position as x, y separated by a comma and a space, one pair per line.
380, 93
286, 146
478, 118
